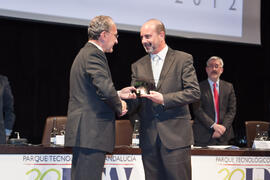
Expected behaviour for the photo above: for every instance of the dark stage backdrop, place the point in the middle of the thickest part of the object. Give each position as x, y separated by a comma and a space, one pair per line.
37, 57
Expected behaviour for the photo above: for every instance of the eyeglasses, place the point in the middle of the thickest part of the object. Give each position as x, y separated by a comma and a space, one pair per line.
115, 35
214, 66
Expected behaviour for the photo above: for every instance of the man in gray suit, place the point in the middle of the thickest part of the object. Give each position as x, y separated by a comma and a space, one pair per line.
7, 116
93, 102
165, 128
213, 122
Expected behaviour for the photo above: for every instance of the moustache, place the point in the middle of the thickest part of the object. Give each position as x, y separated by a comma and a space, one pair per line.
214, 72
147, 44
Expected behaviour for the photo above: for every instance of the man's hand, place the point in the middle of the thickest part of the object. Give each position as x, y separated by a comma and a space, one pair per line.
124, 108
126, 93
220, 129
155, 97
216, 135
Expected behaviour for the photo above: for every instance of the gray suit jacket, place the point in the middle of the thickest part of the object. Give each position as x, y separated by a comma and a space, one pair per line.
93, 102
7, 116
204, 112
179, 86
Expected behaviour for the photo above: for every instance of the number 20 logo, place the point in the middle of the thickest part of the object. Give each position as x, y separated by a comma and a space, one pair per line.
41, 176
230, 174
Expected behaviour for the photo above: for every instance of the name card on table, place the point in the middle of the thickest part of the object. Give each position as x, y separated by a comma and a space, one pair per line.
60, 140
261, 145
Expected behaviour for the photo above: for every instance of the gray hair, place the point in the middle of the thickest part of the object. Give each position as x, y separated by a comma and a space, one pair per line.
215, 58
97, 25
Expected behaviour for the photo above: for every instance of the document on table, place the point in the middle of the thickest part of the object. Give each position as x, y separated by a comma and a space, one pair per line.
223, 147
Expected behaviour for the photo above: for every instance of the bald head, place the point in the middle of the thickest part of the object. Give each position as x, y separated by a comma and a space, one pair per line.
156, 24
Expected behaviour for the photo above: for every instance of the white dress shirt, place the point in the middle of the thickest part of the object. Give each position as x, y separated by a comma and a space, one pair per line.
157, 61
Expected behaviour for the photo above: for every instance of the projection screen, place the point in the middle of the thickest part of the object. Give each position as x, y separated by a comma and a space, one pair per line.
225, 20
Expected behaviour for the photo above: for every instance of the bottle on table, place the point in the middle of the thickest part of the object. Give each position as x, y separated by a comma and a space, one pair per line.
54, 132
136, 134
258, 133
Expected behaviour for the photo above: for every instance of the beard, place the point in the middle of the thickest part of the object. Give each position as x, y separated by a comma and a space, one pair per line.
149, 48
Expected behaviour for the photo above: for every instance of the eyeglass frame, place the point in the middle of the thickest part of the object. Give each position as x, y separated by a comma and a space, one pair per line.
115, 35
214, 66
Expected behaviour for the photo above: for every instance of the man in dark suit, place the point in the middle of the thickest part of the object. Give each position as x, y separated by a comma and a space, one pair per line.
7, 116
93, 102
165, 128
213, 120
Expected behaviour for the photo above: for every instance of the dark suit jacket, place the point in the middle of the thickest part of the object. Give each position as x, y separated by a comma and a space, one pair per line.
179, 86
204, 112
93, 102
7, 116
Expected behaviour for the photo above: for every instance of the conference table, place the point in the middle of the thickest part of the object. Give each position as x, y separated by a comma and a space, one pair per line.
38, 162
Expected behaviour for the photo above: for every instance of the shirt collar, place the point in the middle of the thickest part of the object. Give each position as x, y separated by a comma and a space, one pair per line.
162, 53
96, 45
212, 82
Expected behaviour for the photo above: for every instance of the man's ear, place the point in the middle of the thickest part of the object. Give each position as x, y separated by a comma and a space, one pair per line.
222, 70
162, 34
102, 36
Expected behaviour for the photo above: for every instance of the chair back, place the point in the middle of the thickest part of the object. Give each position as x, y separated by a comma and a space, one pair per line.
123, 133
123, 130
60, 122
251, 130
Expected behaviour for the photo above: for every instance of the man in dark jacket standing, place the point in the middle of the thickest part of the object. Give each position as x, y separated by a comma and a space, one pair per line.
165, 132
93, 102
214, 113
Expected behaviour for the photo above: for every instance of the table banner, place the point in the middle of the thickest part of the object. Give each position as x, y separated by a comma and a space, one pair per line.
35, 166
58, 167
123, 167
230, 167
130, 167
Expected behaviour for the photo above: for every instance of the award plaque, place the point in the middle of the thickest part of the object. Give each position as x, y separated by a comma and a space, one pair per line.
142, 87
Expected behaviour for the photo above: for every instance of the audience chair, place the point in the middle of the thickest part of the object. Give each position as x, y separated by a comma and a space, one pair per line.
123, 132
251, 130
60, 124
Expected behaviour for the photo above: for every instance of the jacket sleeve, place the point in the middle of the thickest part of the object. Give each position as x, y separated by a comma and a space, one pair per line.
98, 70
8, 107
201, 115
231, 108
190, 91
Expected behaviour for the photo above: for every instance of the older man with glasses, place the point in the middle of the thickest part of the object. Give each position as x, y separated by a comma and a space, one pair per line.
215, 112
93, 102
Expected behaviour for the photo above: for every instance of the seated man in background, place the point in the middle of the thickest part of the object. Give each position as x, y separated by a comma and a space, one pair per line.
215, 111
7, 116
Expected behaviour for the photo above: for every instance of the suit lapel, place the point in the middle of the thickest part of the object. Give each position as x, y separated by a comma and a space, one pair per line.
169, 59
148, 72
209, 95
221, 93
